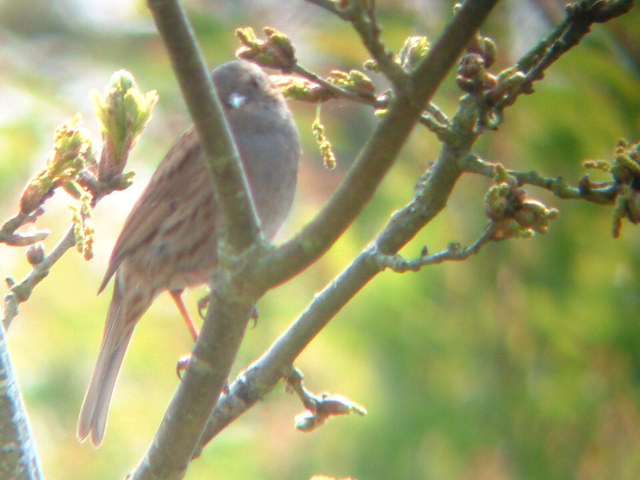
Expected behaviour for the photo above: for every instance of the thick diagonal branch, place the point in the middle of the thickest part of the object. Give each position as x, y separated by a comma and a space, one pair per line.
380, 152
221, 152
431, 197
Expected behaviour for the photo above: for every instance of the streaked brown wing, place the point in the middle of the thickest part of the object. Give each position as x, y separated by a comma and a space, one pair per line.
170, 182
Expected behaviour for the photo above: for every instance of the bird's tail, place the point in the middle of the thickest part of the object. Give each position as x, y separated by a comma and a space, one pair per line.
119, 326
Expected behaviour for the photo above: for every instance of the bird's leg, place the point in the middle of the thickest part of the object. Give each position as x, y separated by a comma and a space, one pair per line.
177, 297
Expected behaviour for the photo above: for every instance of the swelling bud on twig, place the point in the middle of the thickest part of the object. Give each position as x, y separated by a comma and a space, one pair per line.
319, 408
625, 173
415, 48
512, 212
354, 81
72, 151
123, 111
35, 253
276, 51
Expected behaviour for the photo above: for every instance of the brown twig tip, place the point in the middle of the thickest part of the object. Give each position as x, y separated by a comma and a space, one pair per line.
22, 239
276, 51
598, 11
319, 408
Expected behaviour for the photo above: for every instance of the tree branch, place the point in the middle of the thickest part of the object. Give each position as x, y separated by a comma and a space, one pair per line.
221, 153
231, 304
193, 403
22, 291
431, 196
19, 459
454, 252
379, 153
362, 16
603, 194
9, 236
435, 120
566, 35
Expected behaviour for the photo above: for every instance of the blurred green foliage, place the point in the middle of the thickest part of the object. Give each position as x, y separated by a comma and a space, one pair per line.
520, 363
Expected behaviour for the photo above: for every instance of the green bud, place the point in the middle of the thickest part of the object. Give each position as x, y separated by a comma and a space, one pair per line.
123, 111
415, 48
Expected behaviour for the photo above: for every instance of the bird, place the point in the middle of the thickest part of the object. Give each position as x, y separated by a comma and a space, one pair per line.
169, 239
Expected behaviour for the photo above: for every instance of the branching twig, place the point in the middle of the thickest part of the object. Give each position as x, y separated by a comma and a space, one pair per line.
431, 196
22, 291
603, 194
580, 17
8, 233
362, 16
336, 90
72, 167
319, 408
454, 252
380, 151
434, 118
277, 51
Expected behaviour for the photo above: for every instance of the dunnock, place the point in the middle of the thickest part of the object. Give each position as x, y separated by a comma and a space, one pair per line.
169, 241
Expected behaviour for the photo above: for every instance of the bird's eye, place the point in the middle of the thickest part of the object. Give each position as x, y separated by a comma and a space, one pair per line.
255, 83
236, 100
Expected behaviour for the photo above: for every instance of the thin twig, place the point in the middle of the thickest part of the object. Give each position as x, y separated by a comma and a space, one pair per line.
566, 35
336, 90
8, 233
603, 194
22, 291
379, 153
435, 119
454, 252
319, 407
430, 198
363, 18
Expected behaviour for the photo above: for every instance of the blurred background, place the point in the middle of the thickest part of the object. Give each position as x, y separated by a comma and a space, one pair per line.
522, 362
